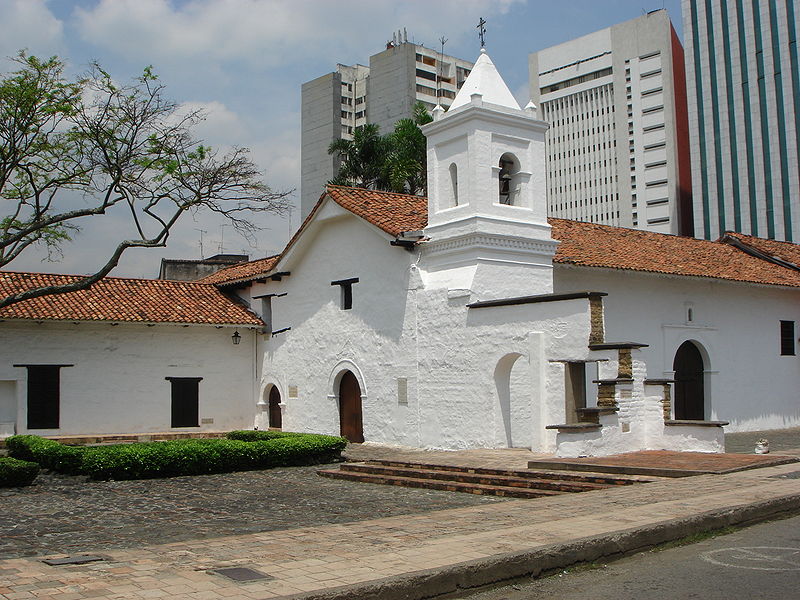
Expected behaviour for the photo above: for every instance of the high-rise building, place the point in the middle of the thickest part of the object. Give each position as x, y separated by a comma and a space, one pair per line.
744, 104
617, 148
383, 93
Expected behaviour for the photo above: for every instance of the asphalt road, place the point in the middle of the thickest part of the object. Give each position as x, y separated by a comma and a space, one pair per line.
758, 563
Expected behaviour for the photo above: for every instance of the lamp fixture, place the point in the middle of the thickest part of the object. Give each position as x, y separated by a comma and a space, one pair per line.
236, 338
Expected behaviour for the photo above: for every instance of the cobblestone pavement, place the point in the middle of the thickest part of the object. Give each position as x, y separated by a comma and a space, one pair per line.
61, 514
356, 560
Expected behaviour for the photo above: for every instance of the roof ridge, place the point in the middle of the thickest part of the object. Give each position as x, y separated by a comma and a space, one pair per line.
107, 277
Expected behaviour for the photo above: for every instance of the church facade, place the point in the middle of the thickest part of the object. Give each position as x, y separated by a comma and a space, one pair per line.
469, 319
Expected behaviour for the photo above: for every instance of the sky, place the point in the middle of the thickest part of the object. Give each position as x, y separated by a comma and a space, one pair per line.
243, 62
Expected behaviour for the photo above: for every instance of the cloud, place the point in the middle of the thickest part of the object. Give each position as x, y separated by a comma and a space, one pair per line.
220, 126
29, 24
267, 33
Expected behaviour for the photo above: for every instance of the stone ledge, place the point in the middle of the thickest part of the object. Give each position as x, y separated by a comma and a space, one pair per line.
696, 423
575, 426
617, 345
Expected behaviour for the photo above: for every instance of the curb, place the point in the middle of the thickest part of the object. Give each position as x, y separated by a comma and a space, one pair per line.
473, 574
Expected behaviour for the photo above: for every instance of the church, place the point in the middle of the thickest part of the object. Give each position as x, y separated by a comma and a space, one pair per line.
466, 319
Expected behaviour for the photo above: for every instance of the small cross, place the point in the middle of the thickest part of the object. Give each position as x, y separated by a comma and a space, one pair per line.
482, 31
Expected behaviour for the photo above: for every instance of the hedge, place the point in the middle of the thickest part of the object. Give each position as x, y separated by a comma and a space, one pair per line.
180, 457
48, 454
249, 435
16, 473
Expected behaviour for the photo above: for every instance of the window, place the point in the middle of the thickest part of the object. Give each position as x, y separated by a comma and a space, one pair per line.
346, 286
44, 395
454, 184
787, 338
185, 401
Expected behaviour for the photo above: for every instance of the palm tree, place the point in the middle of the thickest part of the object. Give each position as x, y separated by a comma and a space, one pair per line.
405, 166
362, 159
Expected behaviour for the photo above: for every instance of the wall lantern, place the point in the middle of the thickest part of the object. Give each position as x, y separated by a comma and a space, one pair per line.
236, 338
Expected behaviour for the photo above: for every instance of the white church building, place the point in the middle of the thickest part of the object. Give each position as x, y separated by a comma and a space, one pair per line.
469, 319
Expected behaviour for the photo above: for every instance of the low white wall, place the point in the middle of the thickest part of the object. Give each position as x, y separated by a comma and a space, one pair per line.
117, 383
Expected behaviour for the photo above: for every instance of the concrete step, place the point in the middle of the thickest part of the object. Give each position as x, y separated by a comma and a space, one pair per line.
539, 474
508, 479
437, 484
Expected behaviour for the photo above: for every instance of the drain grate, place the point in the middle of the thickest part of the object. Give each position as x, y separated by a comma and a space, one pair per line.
80, 559
792, 475
242, 574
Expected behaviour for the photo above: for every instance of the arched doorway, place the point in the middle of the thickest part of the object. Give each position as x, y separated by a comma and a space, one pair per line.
350, 420
275, 418
689, 392
512, 381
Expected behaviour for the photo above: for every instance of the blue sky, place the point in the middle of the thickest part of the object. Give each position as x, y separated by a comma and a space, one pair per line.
243, 61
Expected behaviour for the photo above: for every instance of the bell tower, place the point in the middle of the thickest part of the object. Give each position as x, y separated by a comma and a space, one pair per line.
487, 208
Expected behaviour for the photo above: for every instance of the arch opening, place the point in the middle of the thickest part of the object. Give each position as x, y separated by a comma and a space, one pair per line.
513, 385
508, 179
350, 411
690, 391
274, 415
453, 184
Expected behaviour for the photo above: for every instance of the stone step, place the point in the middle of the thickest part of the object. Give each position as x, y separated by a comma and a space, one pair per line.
460, 476
435, 484
588, 477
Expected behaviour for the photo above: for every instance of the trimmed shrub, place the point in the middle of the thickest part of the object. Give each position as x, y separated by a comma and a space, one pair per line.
249, 435
200, 457
48, 454
16, 473
179, 457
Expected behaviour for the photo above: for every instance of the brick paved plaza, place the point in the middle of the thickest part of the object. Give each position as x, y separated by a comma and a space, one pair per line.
332, 539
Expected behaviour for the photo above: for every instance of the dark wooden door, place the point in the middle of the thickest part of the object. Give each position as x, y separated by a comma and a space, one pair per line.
274, 408
350, 423
689, 393
185, 401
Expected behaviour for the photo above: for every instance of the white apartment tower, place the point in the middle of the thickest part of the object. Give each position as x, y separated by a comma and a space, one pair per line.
744, 107
617, 145
383, 93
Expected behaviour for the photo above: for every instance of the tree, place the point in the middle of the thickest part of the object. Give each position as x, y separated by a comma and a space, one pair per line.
361, 159
72, 149
405, 166
395, 162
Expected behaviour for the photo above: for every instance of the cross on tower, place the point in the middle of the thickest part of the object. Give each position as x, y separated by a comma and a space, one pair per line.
482, 31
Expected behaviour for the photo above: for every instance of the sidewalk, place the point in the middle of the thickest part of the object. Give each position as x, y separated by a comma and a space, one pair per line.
420, 555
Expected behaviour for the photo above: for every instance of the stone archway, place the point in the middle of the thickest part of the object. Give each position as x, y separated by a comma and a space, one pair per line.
689, 370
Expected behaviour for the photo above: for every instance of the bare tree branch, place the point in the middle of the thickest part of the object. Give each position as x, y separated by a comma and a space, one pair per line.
108, 145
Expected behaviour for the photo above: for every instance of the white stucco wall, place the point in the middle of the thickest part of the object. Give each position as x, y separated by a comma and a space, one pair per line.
117, 383
736, 326
457, 361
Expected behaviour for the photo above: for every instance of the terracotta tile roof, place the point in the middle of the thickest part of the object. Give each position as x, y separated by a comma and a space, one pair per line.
393, 213
592, 245
242, 271
785, 251
124, 300
585, 244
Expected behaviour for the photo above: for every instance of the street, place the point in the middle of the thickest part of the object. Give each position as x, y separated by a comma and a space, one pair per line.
760, 562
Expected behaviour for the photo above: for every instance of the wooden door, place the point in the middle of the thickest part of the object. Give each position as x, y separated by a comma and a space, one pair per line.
689, 392
275, 419
350, 423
